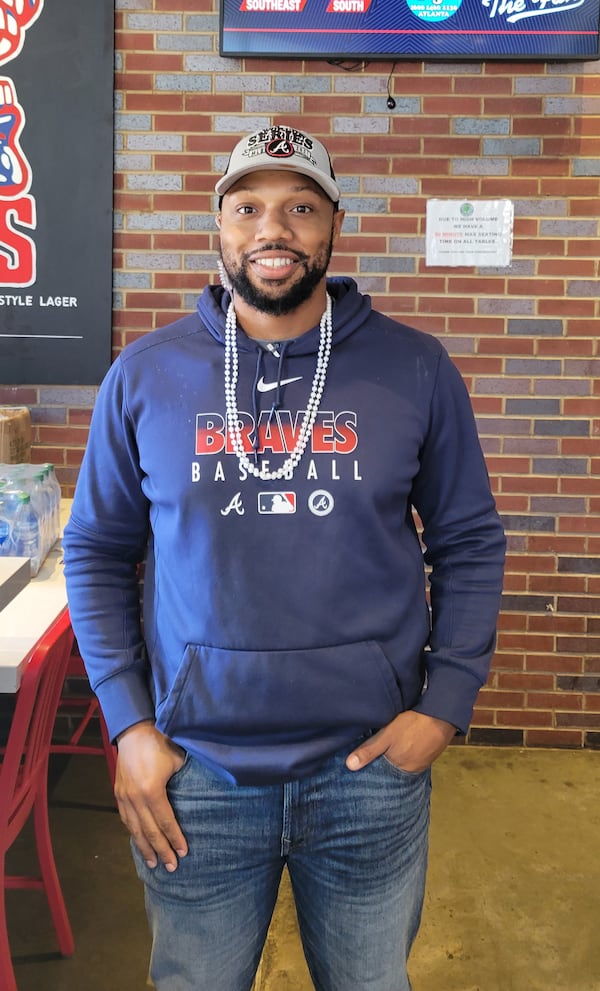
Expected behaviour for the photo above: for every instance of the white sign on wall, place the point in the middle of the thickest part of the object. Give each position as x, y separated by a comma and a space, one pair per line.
469, 232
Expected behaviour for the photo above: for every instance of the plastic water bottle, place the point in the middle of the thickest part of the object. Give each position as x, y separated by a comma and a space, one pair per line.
40, 483
34, 485
26, 532
55, 495
5, 535
6, 525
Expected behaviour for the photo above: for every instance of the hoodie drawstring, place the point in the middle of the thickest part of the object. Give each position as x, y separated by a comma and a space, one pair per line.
281, 352
277, 401
255, 406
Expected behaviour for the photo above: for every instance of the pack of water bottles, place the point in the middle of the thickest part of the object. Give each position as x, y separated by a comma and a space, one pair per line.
29, 511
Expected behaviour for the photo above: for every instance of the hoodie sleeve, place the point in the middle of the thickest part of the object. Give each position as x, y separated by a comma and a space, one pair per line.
104, 544
464, 547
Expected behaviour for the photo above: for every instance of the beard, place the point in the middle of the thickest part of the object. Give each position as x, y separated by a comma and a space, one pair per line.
267, 301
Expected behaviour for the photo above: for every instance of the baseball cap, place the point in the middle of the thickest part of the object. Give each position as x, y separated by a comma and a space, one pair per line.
280, 147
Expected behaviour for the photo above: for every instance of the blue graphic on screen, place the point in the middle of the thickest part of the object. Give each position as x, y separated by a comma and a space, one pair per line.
520, 29
433, 10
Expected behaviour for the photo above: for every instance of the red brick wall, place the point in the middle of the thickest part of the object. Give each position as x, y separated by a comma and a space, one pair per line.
525, 337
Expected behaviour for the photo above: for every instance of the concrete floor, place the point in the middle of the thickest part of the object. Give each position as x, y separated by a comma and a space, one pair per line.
513, 899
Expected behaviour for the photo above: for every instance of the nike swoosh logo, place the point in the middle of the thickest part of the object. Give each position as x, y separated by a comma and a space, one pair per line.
263, 386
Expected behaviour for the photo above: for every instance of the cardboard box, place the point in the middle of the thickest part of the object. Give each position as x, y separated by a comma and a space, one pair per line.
15, 573
15, 435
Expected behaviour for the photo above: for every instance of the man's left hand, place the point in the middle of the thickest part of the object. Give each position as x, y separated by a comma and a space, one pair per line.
412, 741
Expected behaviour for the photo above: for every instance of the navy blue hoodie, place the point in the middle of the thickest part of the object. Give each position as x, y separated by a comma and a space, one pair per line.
281, 619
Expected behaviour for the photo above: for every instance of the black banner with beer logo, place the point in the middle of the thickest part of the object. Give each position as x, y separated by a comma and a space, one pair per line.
56, 181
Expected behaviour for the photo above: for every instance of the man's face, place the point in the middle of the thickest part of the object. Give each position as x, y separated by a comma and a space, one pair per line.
278, 229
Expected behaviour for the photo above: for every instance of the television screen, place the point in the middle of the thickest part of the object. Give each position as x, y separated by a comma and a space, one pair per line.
542, 30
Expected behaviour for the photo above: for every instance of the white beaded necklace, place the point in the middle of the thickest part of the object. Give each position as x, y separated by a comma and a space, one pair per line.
233, 417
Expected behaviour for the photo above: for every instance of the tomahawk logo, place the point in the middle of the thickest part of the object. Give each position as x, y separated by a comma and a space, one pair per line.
17, 209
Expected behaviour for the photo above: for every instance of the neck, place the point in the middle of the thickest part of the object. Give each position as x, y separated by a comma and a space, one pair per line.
267, 327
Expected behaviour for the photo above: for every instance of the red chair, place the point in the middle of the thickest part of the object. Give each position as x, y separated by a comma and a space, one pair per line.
83, 708
24, 782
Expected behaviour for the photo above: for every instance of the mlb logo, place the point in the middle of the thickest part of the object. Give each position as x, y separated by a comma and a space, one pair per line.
276, 503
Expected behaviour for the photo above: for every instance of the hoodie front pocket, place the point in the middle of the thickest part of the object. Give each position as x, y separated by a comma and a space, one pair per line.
247, 693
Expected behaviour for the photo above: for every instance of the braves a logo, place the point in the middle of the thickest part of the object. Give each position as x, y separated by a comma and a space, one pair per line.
235, 506
321, 502
279, 148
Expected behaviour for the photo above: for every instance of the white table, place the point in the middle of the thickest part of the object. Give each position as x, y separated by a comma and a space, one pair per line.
27, 617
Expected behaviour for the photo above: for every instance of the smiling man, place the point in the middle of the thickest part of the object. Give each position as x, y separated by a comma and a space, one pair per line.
289, 688
278, 229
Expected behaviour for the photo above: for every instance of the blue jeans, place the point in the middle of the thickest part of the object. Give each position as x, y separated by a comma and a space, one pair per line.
355, 844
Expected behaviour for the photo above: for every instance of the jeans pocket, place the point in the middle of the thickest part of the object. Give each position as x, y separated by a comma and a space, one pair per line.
415, 775
177, 775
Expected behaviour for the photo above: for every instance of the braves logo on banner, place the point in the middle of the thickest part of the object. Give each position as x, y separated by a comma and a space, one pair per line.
17, 209
56, 184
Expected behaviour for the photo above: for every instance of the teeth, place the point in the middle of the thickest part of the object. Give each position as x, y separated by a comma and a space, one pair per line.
274, 262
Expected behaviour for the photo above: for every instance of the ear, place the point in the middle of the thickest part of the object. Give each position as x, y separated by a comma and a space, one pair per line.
338, 220
218, 220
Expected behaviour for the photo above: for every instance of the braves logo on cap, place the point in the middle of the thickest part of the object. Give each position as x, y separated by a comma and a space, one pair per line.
279, 148
274, 148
